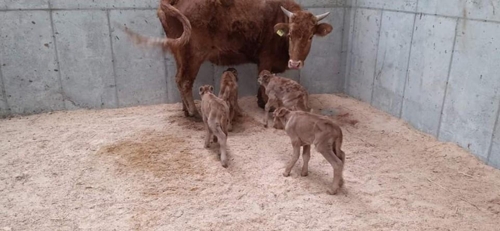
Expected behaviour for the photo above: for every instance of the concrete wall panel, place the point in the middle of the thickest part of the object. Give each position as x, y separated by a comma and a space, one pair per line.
205, 76
320, 3
173, 94
364, 52
29, 68
407, 5
110, 4
85, 59
392, 61
428, 71
473, 94
486, 10
247, 79
347, 35
321, 72
24, 4
140, 72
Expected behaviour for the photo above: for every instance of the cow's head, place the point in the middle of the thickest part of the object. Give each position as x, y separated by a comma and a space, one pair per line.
300, 30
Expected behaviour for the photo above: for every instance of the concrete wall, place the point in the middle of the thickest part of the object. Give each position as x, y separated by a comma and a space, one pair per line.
67, 54
433, 63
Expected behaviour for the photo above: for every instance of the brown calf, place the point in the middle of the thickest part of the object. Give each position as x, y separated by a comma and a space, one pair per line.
282, 92
304, 129
229, 93
215, 114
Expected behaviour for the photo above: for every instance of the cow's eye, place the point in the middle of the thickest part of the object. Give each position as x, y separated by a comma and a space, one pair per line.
310, 38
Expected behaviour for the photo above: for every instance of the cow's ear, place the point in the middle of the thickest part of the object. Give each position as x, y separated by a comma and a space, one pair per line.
323, 29
281, 29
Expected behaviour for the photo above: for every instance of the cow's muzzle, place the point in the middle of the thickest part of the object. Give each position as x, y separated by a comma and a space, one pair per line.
292, 64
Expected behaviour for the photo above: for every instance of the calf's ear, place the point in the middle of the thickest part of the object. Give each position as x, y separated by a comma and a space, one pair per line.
211, 89
323, 29
281, 29
200, 90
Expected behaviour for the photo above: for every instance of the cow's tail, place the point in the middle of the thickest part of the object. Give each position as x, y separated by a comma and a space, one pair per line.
167, 8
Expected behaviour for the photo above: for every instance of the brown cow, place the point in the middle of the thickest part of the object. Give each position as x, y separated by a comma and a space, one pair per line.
304, 129
282, 92
229, 92
274, 34
215, 114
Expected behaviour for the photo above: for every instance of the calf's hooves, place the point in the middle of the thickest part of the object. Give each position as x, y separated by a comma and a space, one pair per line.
285, 174
304, 173
224, 164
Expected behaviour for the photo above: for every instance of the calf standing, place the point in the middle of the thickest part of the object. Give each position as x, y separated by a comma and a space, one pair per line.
282, 92
215, 114
229, 93
304, 129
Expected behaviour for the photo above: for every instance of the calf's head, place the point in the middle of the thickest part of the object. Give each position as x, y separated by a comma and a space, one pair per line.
234, 71
300, 30
206, 89
264, 77
280, 117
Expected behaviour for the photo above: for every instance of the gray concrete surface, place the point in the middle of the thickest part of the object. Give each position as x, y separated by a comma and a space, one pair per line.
433, 63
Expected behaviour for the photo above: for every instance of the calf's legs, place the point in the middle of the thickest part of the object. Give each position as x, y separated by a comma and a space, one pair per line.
306, 156
295, 157
336, 163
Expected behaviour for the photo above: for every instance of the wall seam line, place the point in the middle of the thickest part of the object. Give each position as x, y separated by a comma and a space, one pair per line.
59, 75
4, 93
488, 155
376, 56
339, 88
347, 79
407, 75
447, 79
113, 58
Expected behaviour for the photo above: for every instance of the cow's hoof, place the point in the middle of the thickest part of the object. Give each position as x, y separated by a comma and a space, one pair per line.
286, 174
224, 164
304, 173
333, 191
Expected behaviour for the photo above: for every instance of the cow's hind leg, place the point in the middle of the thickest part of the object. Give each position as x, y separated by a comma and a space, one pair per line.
185, 77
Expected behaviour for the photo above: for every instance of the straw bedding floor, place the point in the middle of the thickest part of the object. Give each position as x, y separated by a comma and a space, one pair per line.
145, 168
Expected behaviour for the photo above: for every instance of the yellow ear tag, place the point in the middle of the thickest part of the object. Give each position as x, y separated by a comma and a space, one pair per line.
280, 33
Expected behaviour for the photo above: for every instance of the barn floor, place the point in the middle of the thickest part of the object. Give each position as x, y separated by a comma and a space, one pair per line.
145, 168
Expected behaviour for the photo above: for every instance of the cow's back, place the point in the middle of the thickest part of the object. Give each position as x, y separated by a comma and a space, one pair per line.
232, 32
